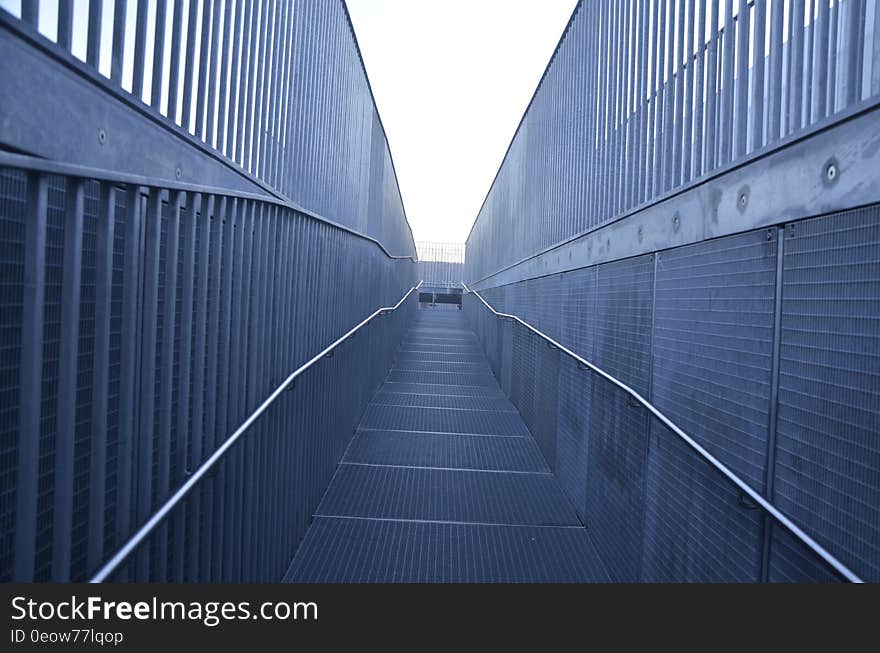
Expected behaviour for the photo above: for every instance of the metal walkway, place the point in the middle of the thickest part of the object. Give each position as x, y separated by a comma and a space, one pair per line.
443, 482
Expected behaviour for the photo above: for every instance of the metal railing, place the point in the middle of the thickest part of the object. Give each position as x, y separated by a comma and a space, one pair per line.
711, 460
142, 533
666, 93
263, 86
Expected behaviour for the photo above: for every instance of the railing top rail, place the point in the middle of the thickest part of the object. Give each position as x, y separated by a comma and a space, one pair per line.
49, 167
744, 487
133, 542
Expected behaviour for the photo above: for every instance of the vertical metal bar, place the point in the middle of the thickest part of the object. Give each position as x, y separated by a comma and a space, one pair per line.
235, 413
700, 101
254, 387
669, 101
820, 66
834, 24
226, 419
93, 42
183, 567
214, 290
808, 58
196, 562
118, 49
158, 57
28, 461
284, 129
101, 367
727, 83
140, 46
128, 405
246, 376
270, 102
235, 74
245, 83
213, 74
65, 428
189, 66
711, 157
202, 96
65, 23
167, 389
774, 109
770, 469
796, 81
680, 63
855, 23
253, 96
174, 67
30, 15
271, 437
690, 63
758, 104
224, 74
152, 243
660, 100
259, 98
741, 85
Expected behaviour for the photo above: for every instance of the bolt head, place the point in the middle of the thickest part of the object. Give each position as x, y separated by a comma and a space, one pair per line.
831, 172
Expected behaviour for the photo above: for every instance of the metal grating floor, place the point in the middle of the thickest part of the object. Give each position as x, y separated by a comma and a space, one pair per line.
443, 482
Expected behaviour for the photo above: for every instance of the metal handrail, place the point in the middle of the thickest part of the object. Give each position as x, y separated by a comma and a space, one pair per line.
50, 167
744, 487
150, 525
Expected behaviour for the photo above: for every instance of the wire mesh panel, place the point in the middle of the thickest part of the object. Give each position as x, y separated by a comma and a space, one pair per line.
163, 318
656, 508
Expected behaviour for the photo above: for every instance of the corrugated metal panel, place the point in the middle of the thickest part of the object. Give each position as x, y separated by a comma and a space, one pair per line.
713, 345
828, 452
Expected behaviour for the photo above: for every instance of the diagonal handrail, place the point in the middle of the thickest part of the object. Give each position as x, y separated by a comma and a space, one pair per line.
744, 487
150, 525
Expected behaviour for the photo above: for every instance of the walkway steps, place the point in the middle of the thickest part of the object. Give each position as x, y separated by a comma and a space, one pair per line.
443, 482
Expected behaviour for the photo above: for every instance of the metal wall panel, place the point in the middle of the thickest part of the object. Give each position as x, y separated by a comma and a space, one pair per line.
713, 345
205, 268
663, 99
828, 451
697, 528
275, 91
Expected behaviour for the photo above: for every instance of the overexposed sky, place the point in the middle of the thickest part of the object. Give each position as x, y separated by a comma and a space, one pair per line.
452, 79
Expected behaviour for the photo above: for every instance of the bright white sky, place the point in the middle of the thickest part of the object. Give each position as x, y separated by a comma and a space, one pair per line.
452, 79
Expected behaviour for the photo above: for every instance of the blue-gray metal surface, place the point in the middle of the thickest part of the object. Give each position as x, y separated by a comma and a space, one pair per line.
657, 504
215, 220
412, 503
249, 94
641, 133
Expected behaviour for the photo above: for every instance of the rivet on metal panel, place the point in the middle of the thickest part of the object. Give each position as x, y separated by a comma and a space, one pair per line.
743, 200
641, 233
177, 172
831, 172
102, 136
676, 223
